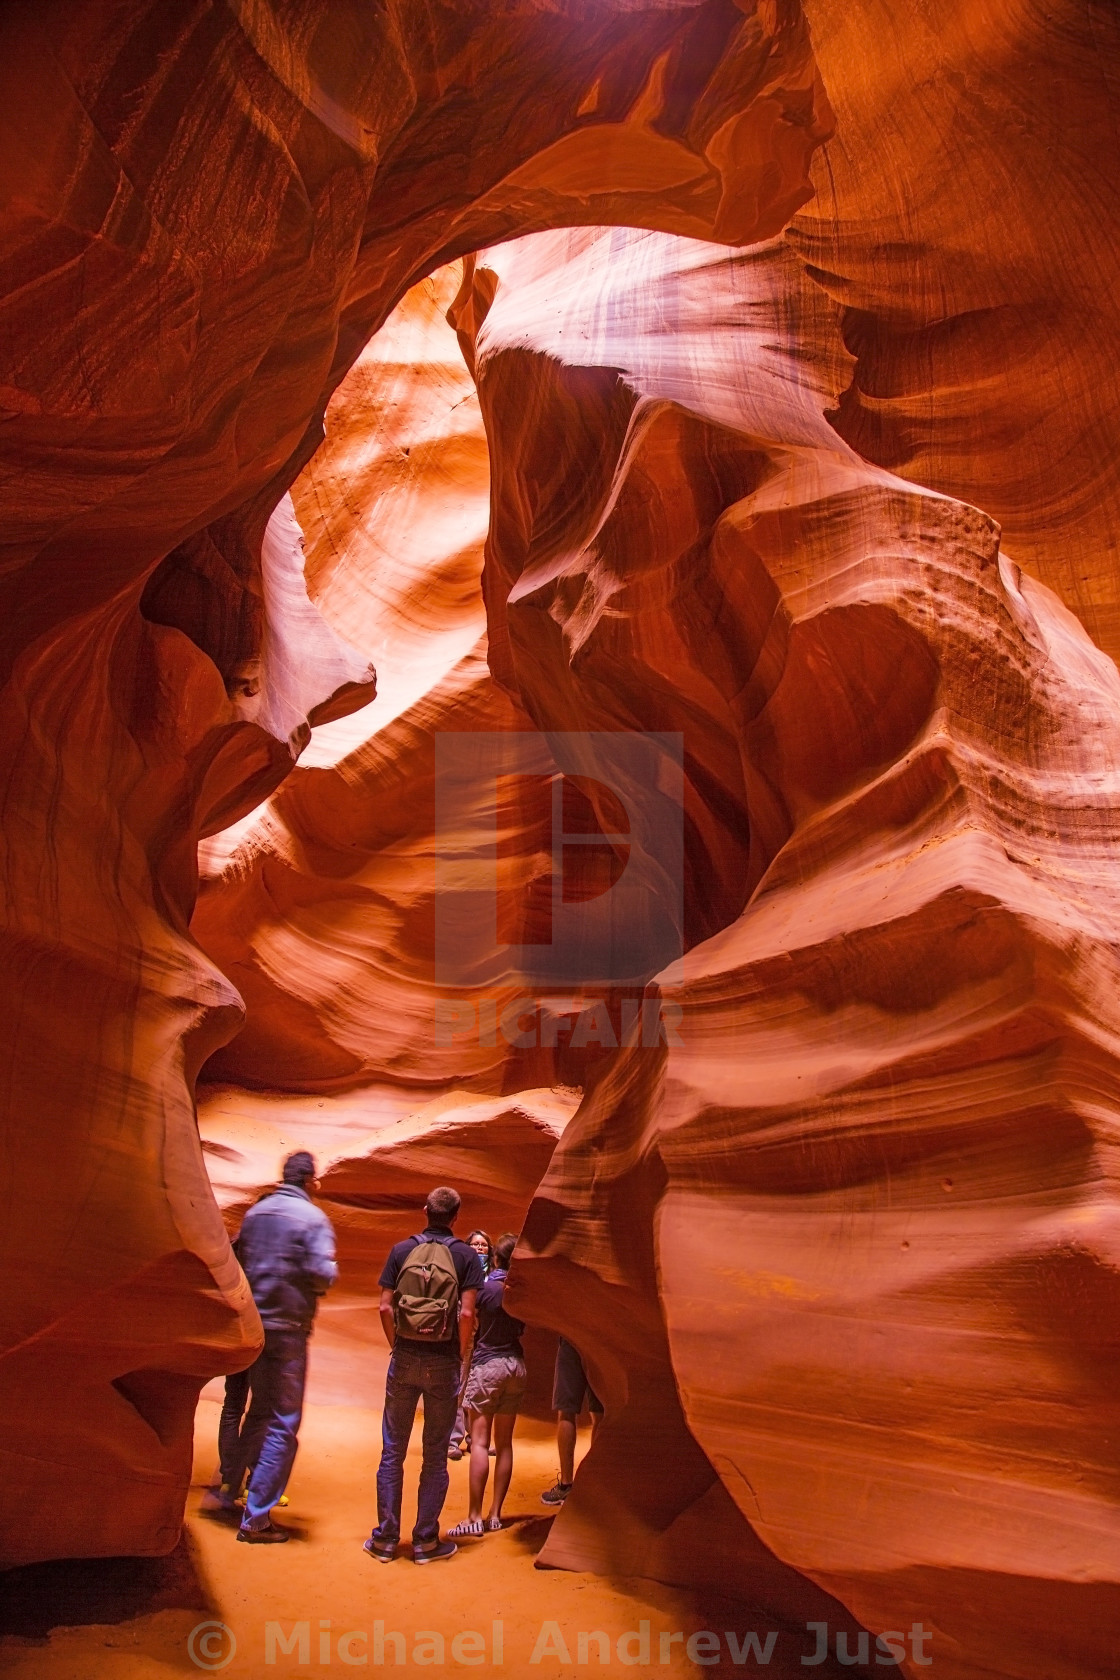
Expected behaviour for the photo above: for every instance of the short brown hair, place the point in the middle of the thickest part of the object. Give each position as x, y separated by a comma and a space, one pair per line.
503, 1249
443, 1204
299, 1168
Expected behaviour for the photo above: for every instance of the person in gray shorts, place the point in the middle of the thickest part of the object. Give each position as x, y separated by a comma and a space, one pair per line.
493, 1394
570, 1392
460, 1437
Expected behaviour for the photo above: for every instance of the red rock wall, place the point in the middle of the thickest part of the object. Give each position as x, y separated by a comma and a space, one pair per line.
207, 212
965, 221
875, 1173
846, 1255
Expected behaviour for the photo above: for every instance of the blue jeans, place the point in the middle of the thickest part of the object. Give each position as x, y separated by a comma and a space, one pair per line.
435, 1378
269, 1435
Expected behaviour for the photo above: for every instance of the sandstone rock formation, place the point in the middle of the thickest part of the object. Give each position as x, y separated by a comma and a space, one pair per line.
874, 1172
208, 211
965, 221
845, 1255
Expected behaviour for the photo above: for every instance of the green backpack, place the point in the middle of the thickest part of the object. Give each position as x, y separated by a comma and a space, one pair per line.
426, 1299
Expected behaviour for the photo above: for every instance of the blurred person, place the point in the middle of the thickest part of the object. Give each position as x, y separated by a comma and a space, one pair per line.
287, 1252
235, 1401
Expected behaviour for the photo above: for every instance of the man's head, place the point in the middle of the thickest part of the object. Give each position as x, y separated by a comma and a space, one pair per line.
503, 1250
299, 1169
442, 1206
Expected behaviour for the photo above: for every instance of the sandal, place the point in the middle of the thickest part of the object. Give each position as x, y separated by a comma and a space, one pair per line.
493, 1525
467, 1527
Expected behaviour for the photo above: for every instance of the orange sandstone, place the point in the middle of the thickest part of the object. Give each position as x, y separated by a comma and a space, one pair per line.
208, 212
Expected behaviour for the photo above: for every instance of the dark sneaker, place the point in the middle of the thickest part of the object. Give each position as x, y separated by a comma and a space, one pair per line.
269, 1535
435, 1554
557, 1493
383, 1554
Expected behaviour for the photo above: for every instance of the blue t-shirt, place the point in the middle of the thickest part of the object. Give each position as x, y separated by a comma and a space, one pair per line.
467, 1265
498, 1331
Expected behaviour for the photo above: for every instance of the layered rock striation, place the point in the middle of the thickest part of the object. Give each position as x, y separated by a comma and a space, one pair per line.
872, 1179
208, 212
841, 1246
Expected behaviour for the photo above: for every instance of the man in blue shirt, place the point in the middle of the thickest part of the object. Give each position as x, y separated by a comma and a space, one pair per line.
286, 1249
429, 1324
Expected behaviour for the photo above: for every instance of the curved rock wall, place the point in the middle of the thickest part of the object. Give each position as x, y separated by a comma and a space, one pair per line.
845, 1254
965, 222
208, 210
875, 1172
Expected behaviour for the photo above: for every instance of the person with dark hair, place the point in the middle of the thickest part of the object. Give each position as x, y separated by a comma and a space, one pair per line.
493, 1395
286, 1249
570, 1390
429, 1286
460, 1438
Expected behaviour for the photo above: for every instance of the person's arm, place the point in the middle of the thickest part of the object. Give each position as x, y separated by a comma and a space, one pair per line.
388, 1322
467, 1317
318, 1255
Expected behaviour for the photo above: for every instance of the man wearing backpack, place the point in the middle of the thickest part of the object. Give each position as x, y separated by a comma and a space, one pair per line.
428, 1290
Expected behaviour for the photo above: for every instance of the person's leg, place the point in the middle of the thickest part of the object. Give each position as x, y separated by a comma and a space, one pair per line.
480, 1462
229, 1427
441, 1400
503, 1465
402, 1391
287, 1366
566, 1446
245, 1451
460, 1432
568, 1386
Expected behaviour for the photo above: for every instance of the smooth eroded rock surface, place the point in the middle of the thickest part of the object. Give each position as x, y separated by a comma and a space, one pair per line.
813, 486
208, 210
875, 1171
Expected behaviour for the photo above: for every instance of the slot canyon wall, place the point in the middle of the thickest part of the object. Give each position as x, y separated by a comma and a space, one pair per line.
209, 209
825, 505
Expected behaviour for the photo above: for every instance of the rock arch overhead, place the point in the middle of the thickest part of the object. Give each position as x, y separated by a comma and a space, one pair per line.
755, 495
209, 210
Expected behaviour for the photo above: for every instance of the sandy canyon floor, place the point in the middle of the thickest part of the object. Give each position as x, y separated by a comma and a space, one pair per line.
128, 1619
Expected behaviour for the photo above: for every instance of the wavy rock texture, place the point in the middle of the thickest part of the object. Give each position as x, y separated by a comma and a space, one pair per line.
208, 211
395, 506
875, 1179
845, 1256
965, 221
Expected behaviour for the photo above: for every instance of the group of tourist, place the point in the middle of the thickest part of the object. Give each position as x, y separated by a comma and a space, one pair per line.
453, 1344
